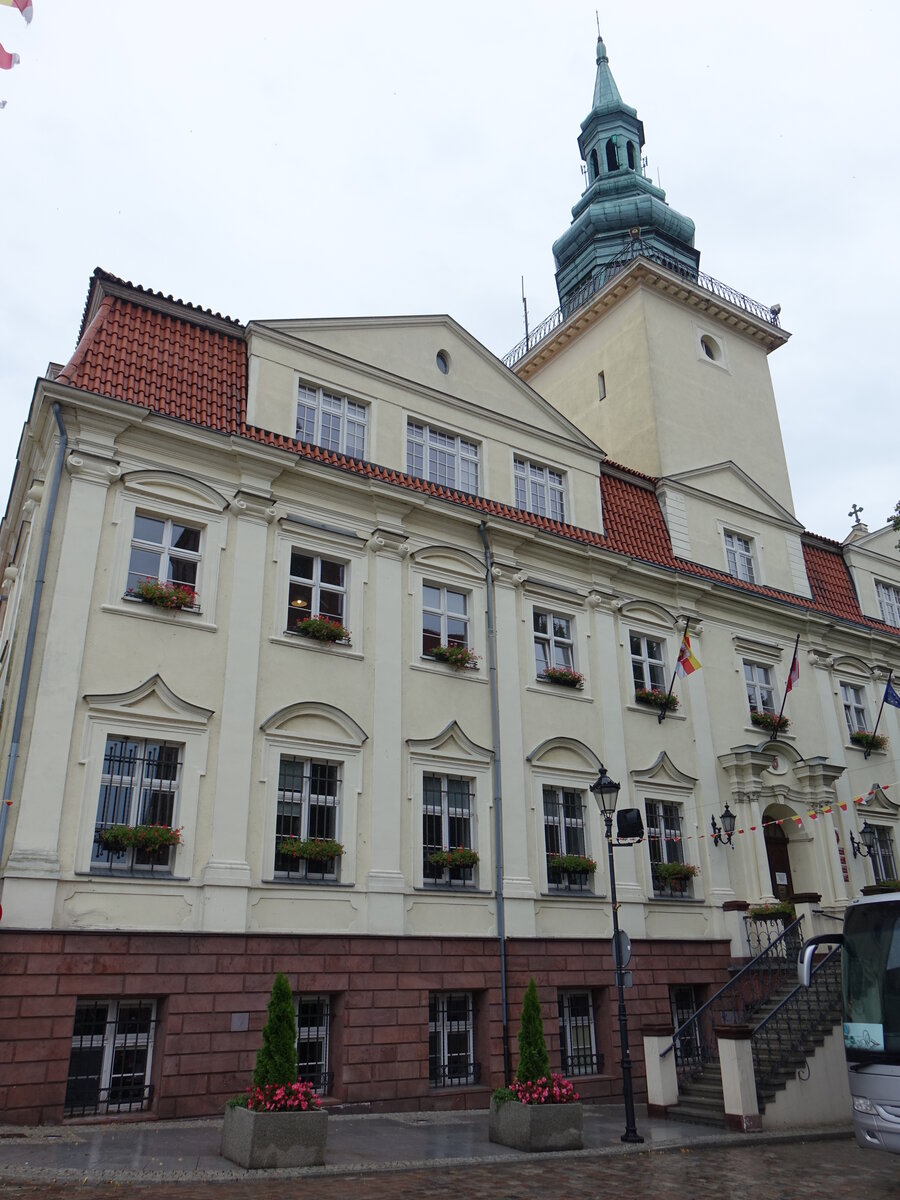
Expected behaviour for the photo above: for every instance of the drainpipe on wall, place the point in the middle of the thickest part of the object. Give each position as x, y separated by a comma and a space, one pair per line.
498, 804
32, 625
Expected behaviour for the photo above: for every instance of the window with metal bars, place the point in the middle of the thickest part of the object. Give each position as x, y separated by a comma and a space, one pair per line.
163, 550
139, 786
882, 854
577, 1040
683, 1003
307, 808
564, 834
313, 1024
451, 1032
446, 825
854, 701
109, 1062
332, 421
317, 587
442, 458
539, 489
665, 845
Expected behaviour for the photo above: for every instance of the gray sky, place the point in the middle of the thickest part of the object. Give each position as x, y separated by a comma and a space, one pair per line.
288, 159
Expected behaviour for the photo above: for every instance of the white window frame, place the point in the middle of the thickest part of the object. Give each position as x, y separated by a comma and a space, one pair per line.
559, 650
449, 811
447, 459
853, 698
445, 615
577, 1059
111, 1041
740, 556
759, 682
328, 408
572, 833
306, 800
539, 489
664, 826
441, 1029
888, 602
347, 550
169, 554
137, 789
160, 495
316, 588
318, 1034
646, 663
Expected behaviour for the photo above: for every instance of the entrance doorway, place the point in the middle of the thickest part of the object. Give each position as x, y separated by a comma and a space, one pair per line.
779, 862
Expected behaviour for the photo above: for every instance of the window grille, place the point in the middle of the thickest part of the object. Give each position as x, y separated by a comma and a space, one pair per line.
109, 1062
446, 825
309, 792
139, 786
683, 1003
665, 845
313, 1025
564, 834
882, 854
577, 1040
451, 1026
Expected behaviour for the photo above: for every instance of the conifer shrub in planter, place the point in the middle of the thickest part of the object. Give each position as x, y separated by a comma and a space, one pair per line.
281, 1123
538, 1111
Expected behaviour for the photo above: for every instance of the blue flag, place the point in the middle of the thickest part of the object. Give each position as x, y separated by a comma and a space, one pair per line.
890, 695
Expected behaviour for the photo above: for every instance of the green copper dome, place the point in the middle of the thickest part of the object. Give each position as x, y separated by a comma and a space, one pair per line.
620, 209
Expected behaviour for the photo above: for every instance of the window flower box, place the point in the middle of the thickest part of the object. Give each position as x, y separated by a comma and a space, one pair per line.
148, 838
460, 856
311, 849
322, 629
773, 912
869, 741
574, 864
563, 677
457, 657
656, 699
770, 721
164, 595
673, 877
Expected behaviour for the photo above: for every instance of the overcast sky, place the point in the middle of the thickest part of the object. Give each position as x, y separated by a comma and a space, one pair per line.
297, 159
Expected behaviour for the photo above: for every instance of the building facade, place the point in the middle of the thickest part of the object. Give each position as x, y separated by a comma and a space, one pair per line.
350, 613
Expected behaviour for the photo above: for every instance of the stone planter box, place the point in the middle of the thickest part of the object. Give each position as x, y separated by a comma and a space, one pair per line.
274, 1139
537, 1127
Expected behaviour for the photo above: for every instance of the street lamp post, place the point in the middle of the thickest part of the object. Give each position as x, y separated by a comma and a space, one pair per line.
606, 793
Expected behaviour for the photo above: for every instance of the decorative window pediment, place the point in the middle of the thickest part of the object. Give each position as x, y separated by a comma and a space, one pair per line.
449, 561
152, 700
177, 488
564, 754
664, 773
647, 612
452, 742
315, 722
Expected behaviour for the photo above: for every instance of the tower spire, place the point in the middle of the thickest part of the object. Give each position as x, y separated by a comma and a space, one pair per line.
621, 211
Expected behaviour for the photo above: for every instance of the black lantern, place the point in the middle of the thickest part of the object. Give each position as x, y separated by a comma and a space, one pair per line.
865, 847
724, 835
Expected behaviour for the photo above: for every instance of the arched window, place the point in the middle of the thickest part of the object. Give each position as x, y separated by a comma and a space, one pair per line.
594, 165
612, 159
631, 157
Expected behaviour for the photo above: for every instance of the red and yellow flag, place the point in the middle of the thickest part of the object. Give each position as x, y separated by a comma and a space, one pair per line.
687, 661
25, 7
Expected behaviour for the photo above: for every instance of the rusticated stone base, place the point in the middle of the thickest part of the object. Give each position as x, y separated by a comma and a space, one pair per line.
537, 1127
274, 1139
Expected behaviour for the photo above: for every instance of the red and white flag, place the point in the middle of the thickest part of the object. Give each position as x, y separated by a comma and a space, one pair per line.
7, 60
25, 7
793, 674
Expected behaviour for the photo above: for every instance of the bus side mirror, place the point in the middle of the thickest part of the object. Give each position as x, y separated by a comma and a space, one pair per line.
807, 953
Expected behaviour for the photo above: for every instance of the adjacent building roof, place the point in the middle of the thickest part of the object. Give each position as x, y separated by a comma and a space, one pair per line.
187, 363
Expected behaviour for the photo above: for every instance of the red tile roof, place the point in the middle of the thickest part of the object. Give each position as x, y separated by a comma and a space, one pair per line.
191, 364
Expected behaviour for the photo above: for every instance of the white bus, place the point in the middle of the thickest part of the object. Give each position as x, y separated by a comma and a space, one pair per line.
870, 986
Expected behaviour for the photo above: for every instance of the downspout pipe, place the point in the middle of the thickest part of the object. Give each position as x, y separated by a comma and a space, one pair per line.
498, 801
32, 625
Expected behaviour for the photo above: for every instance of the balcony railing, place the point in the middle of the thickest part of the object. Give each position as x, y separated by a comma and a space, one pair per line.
610, 270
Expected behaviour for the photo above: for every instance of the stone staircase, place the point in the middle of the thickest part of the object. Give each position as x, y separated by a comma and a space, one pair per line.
701, 1101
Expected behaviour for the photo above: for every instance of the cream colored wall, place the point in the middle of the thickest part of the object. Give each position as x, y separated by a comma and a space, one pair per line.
233, 660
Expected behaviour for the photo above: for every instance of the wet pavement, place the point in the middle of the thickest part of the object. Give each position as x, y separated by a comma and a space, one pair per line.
424, 1155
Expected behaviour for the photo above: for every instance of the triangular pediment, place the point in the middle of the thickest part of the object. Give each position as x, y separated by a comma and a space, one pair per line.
406, 351
727, 482
152, 700
880, 541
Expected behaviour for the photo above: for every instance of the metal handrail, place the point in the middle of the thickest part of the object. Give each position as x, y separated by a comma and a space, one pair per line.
798, 989
613, 268
794, 927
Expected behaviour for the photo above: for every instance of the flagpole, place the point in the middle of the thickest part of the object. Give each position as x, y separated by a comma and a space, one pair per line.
880, 711
771, 737
661, 716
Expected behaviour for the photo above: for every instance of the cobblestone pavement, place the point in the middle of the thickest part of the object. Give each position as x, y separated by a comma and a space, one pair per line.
816, 1170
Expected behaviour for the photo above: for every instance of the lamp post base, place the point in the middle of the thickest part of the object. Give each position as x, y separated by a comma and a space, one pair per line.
631, 1137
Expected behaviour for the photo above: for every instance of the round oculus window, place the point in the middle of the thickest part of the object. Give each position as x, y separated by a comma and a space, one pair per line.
442, 358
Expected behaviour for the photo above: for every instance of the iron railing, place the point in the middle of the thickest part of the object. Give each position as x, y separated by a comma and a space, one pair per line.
637, 249
782, 1041
457, 1072
582, 1062
109, 1060
694, 1041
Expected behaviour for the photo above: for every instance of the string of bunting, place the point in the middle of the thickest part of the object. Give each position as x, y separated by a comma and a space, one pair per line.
814, 815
